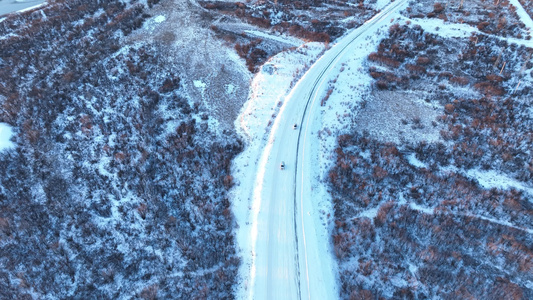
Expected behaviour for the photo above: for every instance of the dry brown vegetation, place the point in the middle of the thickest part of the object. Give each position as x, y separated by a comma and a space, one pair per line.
444, 249
115, 190
492, 17
408, 230
254, 56
410, 56
321, 24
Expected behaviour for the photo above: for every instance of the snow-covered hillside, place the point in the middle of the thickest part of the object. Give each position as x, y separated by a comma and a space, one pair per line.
141, 144
116, 184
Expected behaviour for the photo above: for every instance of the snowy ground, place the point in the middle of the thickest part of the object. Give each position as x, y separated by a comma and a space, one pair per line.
524, 16
342, 95
215, 74
487, 179
325, 124
454, 30
254, 123
5, 135
378, 119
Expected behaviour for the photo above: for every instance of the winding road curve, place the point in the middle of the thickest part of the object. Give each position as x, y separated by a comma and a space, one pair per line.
289, 262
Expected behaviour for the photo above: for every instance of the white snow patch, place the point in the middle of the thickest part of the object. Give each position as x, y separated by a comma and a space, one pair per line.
279, 38
349, 84
504, 223
398, 281
269, 87
454, 30
523, 15
411, 158
384, 111
382, 3
401, 199
492, 179
199, 84
6, 132
152, 23
229, 88
277, 18
369, 213
448, 30
365, 154
159, 19
423, 209
413, 268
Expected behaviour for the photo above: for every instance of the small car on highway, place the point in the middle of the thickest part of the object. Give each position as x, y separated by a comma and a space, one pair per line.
282, 166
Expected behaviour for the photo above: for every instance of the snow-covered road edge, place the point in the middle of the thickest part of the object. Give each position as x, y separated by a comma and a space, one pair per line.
263, 105
344, 92
269, 89
523, 15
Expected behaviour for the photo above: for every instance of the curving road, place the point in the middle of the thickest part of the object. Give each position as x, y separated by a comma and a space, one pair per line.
290, 261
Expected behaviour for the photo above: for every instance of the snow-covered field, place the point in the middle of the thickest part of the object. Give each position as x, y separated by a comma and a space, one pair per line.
484, 180
453, 30
490, 179
487, 179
